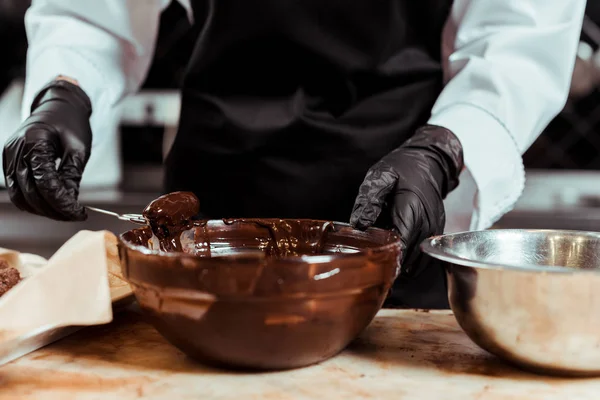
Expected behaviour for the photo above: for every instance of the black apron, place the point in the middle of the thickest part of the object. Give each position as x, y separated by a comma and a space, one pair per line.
287, 103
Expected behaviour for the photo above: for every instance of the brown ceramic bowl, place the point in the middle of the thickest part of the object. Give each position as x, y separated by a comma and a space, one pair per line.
238, 308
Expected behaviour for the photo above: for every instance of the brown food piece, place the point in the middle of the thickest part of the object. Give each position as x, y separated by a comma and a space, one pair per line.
9, 277
172, 209
171, 214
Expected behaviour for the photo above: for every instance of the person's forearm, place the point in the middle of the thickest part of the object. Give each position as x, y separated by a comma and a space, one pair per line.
104, 46
509, 67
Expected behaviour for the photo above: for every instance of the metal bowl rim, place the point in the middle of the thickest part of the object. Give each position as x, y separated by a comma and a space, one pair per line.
427, 247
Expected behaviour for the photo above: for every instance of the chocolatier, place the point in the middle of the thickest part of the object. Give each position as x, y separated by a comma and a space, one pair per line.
350, 111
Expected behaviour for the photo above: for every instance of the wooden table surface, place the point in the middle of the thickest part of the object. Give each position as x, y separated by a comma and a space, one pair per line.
402, 355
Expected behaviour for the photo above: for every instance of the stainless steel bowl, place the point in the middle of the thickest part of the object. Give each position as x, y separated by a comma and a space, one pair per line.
531, 297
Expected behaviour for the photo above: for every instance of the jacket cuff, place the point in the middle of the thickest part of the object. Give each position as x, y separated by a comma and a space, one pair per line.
492, 157
61, 61
45, 65
70, 91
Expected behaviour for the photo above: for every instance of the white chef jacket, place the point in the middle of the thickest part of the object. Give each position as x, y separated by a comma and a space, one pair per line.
508, 66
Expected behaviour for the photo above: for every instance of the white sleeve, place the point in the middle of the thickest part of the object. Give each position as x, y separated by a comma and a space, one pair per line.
106, 45
509, 65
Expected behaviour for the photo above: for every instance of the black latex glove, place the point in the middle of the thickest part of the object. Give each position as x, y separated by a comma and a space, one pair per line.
58, 128
409, 185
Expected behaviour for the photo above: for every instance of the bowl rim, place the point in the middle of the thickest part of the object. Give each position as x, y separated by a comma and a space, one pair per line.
428, 247
312, 259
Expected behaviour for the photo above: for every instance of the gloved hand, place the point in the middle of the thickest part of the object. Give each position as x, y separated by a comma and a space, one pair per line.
409, 185
58, 128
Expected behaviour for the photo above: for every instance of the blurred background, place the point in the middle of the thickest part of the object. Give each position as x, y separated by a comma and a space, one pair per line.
563, 165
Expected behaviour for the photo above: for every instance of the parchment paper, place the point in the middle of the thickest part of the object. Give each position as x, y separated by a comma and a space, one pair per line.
75, 287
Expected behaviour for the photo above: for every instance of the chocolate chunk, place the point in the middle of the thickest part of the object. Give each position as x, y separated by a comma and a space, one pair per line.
171, 214
9, 277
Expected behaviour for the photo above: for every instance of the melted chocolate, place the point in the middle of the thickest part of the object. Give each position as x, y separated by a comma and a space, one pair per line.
171, 214
290, 237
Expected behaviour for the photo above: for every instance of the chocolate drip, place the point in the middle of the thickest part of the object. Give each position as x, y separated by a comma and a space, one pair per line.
171, 214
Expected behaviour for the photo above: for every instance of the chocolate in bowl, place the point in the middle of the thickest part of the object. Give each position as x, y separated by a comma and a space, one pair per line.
241, 295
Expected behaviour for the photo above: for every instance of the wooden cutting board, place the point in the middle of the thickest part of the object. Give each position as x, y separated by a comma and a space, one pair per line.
402, 355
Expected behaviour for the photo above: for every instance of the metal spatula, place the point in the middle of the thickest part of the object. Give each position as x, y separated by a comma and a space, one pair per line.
135, 218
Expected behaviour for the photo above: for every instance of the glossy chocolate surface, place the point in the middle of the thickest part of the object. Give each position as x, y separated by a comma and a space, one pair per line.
262, 294
171, 214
